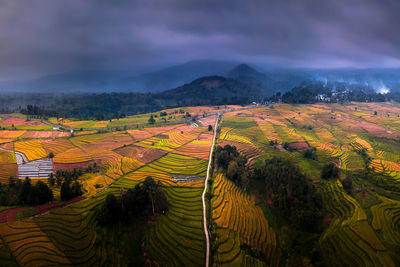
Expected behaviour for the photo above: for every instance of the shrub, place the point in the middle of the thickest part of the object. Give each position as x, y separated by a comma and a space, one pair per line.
329, 171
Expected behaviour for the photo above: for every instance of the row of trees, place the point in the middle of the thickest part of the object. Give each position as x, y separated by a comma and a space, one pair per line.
71, 176
19, 192
144, 199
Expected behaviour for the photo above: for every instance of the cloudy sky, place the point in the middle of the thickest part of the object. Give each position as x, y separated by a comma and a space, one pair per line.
52, 36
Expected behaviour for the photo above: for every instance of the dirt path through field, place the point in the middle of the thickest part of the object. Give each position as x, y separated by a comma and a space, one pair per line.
204, 193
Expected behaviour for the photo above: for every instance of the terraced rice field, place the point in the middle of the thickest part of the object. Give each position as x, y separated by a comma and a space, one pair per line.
355, 233
349, 238
198, 148
386, 221
340, 134
68, 235
177, 164
240, 221
31, 149
24, 124
177, 238
8, 165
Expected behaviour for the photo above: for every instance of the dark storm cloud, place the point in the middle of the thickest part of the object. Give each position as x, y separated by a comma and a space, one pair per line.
48, 36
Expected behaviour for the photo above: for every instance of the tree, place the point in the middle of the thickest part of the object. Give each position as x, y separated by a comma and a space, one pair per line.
155, 194
286, 145
375, 113
99, 116
347, 184
65, 192
68, 192
232, 172
152, 120
329, 171
110, 211
311, 153
210, 128
150, 187
40, 194
76, 189
11, 181
52, 180
24, 191
160, 200
291, 192
51, 155
245, 180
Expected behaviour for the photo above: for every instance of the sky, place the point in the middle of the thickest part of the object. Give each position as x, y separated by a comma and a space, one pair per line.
53, 36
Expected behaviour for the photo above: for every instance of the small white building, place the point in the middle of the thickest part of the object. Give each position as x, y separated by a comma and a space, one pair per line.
56, 128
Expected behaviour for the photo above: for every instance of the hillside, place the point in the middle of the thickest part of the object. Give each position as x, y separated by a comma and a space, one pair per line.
174, 76
211, 88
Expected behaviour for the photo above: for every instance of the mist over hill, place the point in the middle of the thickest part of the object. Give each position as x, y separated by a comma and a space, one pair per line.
265, 80
134, 80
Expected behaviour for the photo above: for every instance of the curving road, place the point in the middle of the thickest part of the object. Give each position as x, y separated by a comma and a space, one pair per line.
204, 193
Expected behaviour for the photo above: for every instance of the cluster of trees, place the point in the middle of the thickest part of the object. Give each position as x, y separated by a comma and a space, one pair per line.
70, 189
233, 164
311, 153
38, 112
329, 171
19, 192
73, 175
152, 120
68, 181
290, 192
144, 199
307, 93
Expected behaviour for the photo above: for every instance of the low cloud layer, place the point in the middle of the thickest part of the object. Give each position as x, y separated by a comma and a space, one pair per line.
47, 36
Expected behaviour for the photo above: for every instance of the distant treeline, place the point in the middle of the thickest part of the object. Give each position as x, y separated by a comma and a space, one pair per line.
212, 90
106, 106
309, 93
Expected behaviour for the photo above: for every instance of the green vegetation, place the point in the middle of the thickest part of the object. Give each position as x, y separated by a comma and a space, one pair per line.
290, 192
329, 171
23, 193
232, 164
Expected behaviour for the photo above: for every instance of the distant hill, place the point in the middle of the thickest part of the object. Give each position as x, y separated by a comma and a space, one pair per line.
120, 80
174, 76
267, 81
211, 89
245, 73
270, 81
251, 77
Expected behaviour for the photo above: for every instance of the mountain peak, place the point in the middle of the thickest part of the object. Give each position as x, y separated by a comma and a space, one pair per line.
243, 70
